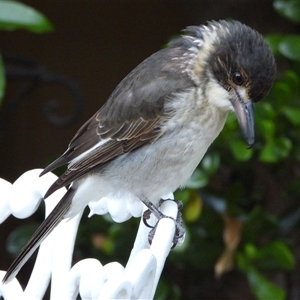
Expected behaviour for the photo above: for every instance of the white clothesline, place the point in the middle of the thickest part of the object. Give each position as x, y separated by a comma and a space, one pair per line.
88, 278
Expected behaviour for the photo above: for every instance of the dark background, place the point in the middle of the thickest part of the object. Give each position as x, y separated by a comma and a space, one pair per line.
96, 43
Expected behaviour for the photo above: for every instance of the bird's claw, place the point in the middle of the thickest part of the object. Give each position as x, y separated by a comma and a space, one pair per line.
178, 202
179, 230
146, 216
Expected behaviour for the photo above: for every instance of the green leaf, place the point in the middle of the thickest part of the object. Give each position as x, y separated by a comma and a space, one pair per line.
273, 40
182, 194
276, 255
193, 207
18, 238
268, 129
240, 151
198, 180
243, 262
283, 146
108, 245
266, 111
231, 125
267, 154
262, 287
16, 15
275, 150
2, 80
290, 47
210, 163
292, 114
250, 251
288, 9
218, 205
272, 256
281, 91
292, 80
259, 224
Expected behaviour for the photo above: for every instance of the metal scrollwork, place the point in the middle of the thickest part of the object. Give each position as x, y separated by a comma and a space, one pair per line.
36, 76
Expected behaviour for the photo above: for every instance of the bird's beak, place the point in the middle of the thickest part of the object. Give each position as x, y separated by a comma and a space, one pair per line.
245, 115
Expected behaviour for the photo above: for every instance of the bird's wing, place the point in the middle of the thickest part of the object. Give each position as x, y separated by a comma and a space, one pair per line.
131, 118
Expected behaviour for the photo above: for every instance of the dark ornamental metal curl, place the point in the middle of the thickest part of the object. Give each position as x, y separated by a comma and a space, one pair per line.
34, 76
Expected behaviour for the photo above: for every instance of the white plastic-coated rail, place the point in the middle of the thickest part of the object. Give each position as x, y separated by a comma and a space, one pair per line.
88, 278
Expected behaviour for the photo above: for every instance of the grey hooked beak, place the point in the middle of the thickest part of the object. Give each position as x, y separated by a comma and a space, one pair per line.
245, 115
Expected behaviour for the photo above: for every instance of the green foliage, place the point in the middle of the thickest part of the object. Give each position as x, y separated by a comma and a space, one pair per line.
15, 15
200, 177
273, 256
263, 247
18, 238
290, 47
239, 150
262, 288
288, 9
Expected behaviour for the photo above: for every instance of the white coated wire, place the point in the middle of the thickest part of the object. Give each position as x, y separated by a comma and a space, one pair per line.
88, 277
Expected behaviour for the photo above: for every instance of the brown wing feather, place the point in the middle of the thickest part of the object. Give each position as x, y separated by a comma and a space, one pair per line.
130, 139
78, 145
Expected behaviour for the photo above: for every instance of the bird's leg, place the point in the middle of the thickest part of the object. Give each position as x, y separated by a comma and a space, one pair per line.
179, 231
152, 209
157, 213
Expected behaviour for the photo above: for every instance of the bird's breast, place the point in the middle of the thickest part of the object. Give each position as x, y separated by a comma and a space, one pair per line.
193, 130
162, 166
168, 162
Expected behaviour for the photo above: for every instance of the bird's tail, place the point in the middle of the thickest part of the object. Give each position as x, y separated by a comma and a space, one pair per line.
41, 233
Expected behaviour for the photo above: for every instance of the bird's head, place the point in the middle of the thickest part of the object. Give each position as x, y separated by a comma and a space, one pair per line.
237, 66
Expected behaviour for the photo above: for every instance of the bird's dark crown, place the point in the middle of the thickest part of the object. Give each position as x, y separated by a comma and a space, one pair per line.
234, 47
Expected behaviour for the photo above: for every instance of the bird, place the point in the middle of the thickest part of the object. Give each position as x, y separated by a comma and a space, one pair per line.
156, 126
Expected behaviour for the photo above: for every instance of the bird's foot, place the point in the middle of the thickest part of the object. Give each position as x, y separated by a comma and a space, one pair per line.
152, 209
178, 202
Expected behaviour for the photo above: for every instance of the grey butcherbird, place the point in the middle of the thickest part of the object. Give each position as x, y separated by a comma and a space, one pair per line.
151, 134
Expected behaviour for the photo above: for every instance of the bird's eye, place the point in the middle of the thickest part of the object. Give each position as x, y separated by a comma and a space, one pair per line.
237, 78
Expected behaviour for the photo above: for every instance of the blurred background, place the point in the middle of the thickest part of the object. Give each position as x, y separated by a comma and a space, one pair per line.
241, 206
